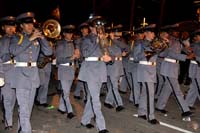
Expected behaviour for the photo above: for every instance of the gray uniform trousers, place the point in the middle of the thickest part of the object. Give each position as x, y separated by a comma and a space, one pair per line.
44, 74
160, 79
194, 92
171, 85
8, 95
26, 105
93, 106
81, 86
135, 85
146, 101
125, 79
113, 96
65, 104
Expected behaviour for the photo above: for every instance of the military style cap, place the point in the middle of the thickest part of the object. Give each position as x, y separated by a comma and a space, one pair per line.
8, 20
169, 28
96, 21
27, 17
68, 28
83, 25
116, 28
150, 27
195, 33
139, 30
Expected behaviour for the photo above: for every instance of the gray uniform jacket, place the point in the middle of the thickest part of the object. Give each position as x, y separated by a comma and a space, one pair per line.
115, 69
194, 69
92, 70
145, 73
132, 63
171, 69
64, 51
24, 50
5, 55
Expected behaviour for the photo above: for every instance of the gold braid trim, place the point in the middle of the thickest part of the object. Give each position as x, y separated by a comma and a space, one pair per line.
21, 37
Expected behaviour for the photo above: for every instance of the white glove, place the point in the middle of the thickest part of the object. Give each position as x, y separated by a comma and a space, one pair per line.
2, 82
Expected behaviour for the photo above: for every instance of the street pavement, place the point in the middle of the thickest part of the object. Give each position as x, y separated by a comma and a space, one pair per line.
45, 120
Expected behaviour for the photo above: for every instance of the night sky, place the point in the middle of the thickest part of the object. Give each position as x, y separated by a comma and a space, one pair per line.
116, 11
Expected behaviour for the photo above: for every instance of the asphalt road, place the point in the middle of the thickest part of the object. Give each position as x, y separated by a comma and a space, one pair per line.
51, 121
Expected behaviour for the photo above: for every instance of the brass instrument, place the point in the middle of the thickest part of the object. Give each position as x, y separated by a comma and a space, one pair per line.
51, 28
102, 39
159, 44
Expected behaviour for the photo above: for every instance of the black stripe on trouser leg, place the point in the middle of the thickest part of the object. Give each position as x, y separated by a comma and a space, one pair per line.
4, 112
84, 88
125, 74
132, 88
157, 78
162, 85
20, 127
175, 94
62, 95
115, 98
148, 101
197, 86
92, 108
158, 84
129, 86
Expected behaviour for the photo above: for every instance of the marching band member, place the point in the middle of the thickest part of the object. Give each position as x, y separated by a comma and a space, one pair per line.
25, 47
66, 54
8, 95
93, 71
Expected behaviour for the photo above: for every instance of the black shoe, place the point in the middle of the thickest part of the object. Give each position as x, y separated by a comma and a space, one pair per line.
89, 126
70, 115
37, 103
154, 121
156, 99
102, 94
119, 108
77, 97
192, 108
136, 105
122, 92
62, 112
104, 131
8, 128
161, 110
186, 114
142, 117
85, 101
108, 105
44, 105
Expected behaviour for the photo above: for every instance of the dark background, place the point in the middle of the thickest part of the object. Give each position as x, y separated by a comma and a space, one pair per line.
127, 12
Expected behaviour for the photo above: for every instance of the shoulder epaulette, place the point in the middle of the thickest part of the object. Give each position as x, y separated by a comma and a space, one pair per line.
21, 37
